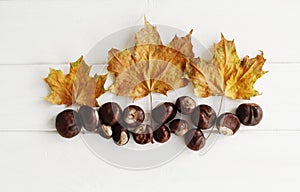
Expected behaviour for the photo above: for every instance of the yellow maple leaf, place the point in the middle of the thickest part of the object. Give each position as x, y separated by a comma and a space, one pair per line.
76, 87
152, 67
226, 74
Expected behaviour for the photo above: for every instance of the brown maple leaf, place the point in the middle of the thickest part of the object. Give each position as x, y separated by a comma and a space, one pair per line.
76, 87
226, 74
148, 35
152, 67
183, 44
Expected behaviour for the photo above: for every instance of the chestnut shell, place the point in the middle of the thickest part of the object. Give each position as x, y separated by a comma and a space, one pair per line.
179, 126
164, 113
133, 115
67, 123
228, 124
110, 113
204, 117
120, 134
185, 105
249, 114
162, 134
104, 130
194, 139
89, 117
143, 134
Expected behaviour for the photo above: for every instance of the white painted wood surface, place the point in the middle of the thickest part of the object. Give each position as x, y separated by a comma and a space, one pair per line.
36, 35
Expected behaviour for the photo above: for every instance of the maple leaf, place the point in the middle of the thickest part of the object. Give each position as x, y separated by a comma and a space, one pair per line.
148, 35
226, 74
183, 44
76, 87
152, 67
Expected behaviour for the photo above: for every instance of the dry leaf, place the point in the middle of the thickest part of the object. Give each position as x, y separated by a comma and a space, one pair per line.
226, 74
152, 67
147, 35
76, 87
183, 44
201, 72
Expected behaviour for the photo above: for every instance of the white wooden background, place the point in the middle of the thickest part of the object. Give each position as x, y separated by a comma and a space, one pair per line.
36, 35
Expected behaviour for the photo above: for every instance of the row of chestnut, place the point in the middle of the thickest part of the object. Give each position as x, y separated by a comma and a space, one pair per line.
110, 121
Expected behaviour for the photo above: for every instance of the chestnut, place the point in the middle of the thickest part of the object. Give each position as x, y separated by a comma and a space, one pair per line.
143, 134
104, 130
249, 113
164, 113
203, 117
133, 115
110, 113
89, 117
67, 123
185, 105
120, 134
162, 134
194, 139
179, 126
228, 124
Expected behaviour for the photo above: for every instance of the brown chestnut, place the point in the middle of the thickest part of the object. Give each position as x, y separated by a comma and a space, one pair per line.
194, 139
143, 134
110, 113
89, 117
185, 105
179, 126
203, 117
133, 115
249, 113
104, 130
228, 124
164, 113
162, 134
68, 123
120, 134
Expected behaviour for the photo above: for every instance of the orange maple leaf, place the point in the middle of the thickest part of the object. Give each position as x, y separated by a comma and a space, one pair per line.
76, 87
152, 67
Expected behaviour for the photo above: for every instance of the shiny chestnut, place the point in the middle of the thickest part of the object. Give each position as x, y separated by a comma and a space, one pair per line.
67, 123
203, 117
179, 126
164, 113
228, 124
143, 134
162, 134
104, 130
133, 115
110, 113
185, 105
249, 113
194, 139
120, 134
89, 117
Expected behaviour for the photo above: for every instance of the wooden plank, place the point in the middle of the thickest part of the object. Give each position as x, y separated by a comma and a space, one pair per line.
60, 31
23, 106
252, 161
22, 103
255, 25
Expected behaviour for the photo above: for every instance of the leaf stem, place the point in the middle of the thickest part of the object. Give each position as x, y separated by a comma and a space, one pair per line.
151, 99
